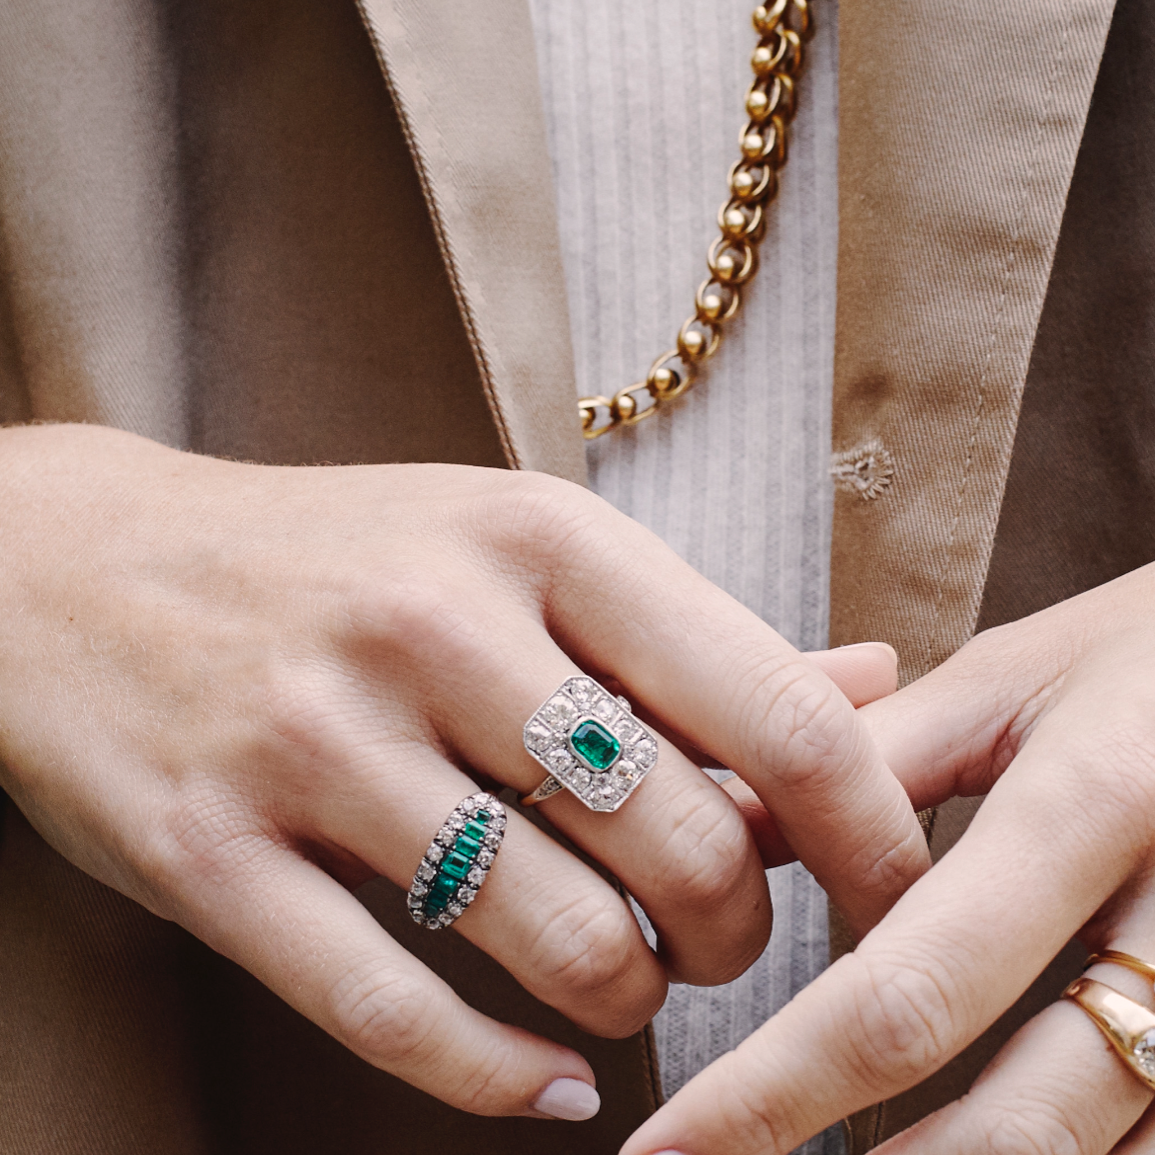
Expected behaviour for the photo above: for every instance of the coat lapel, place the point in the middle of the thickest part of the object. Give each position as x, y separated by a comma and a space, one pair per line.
465, 84
958, 134
959, 128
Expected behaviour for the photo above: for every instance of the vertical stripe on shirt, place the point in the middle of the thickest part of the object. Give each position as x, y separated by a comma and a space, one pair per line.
644, 106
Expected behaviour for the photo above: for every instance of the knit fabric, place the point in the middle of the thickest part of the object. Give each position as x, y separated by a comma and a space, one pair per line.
643, 106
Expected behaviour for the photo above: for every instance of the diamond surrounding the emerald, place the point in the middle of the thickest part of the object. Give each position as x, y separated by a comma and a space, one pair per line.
581, 734
595, 745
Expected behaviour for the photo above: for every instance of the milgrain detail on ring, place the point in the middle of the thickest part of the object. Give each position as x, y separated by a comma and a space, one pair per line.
591, 743
457, 862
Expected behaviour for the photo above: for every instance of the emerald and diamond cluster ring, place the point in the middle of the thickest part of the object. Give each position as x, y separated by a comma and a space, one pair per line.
590, 744
457, 861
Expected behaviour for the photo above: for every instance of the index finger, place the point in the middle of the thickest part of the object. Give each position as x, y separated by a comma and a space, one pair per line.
718, 675
953, 954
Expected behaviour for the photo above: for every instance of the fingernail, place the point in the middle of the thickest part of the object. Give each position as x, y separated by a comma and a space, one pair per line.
569, 1099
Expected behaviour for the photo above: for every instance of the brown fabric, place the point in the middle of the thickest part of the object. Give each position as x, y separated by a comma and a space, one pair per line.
955, 156
214, 235
469, 97
1079, 507
124, 1034
1080, 501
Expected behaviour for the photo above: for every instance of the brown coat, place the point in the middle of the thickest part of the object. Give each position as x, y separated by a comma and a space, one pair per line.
294, 231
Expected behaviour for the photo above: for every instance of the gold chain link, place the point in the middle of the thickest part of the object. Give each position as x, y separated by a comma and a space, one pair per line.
782, 26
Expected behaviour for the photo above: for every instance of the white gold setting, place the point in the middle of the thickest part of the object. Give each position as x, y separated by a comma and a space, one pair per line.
549, 737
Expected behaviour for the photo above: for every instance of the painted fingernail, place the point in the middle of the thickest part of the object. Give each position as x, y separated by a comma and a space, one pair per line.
568, 1099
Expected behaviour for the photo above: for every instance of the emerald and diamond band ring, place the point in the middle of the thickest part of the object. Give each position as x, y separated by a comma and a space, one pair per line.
590, 744
457, 861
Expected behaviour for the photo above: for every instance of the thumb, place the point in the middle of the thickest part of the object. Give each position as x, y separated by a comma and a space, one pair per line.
863, 672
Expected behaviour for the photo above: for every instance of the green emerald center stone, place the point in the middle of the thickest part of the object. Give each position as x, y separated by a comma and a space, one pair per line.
595, 745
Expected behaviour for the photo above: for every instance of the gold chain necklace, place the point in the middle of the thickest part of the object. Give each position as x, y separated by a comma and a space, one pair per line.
782, 26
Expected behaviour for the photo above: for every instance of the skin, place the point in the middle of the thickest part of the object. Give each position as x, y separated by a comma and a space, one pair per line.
1054, 716
234, 692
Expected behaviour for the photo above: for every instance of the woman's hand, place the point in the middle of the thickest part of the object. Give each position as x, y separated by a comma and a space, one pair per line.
1055, 717
232, 691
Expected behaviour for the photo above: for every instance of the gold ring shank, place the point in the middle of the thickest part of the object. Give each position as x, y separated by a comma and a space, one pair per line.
1121, 958
547, 789
1127, 1025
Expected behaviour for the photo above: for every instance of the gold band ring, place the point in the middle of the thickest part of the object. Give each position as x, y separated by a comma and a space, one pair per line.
1127, 1025
1121, 958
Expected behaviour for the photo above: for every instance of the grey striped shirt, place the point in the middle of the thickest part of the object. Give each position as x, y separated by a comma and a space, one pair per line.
643, 107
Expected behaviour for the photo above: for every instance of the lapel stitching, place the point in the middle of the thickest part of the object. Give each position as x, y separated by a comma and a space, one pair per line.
1013, 254
432, 200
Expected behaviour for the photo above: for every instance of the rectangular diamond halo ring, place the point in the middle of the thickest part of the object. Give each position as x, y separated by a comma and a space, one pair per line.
589, 743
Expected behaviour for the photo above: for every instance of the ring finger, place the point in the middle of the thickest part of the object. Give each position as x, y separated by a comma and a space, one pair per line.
559, 928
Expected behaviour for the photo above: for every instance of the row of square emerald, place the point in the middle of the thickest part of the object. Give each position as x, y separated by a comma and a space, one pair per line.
456, 863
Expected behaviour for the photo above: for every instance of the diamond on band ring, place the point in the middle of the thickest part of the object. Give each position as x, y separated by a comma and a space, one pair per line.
457, 862
591, 744
1127, 1025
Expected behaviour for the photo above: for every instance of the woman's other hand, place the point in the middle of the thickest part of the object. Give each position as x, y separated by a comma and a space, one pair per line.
1054, 716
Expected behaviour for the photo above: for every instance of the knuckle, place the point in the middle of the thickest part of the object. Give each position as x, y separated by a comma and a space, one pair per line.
986, 651
1117, 755
1130, 748
808, 714
535, 519
412, 612
485, 1089
886, 875
1031, 1130
590, 950
210, 837
387, 1022
905, 1023
306, 730
393, 1023
705, 858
